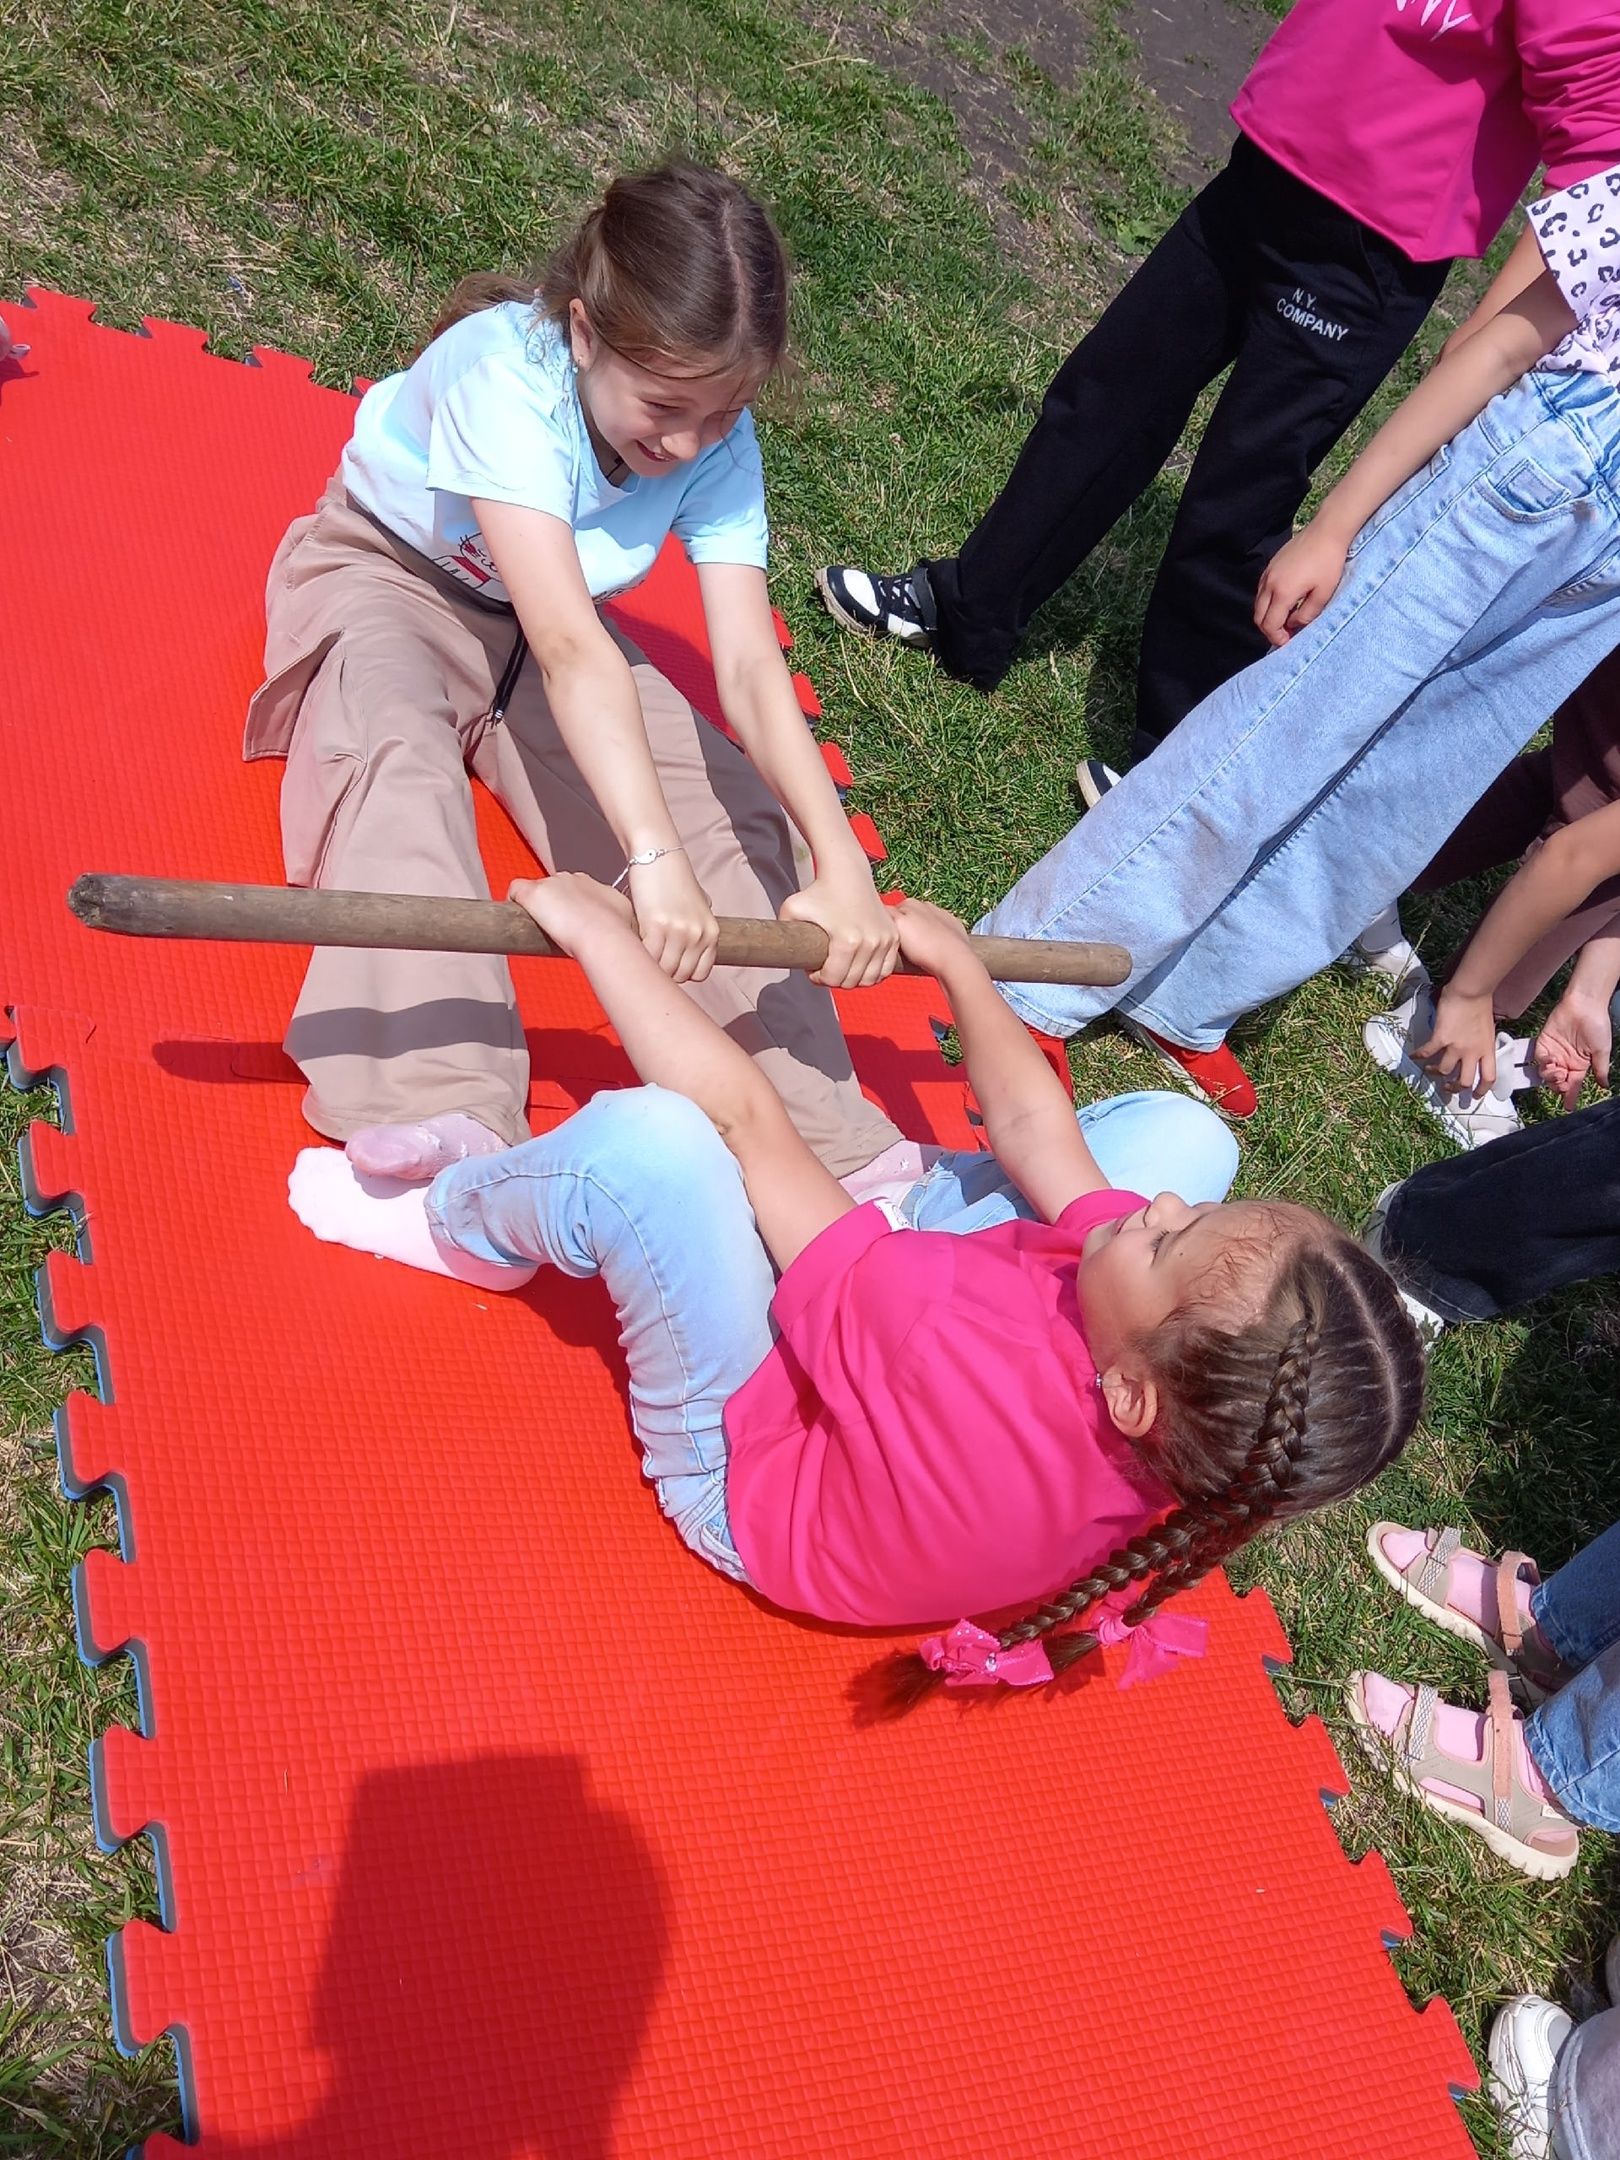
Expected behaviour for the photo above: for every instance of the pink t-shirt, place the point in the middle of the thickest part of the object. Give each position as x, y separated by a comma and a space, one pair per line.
1426, 118
927, 1439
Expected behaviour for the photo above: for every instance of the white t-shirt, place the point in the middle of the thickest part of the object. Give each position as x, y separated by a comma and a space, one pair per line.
1578, 230
491, 410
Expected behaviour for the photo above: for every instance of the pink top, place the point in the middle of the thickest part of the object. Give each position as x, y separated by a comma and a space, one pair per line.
927, 1438
1426, 118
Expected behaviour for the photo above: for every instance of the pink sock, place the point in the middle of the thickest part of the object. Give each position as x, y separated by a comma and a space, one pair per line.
1458, 1733
415, 1154
383, 1216
1469, 1588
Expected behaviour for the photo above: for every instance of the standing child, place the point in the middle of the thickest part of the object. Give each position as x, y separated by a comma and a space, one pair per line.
439, 613
1455, 586
1088, 1393
1377, 139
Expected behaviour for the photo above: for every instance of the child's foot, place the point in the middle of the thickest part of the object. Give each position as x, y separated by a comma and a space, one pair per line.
1214, 1074
1527, 2037
1384, 948
415, 1154
382, 1216
1471, 1768
878, 606
1484, 1602
1471, 1119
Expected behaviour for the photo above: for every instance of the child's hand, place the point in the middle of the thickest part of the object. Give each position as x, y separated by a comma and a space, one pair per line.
1576, 1039
1298, 582
932, 940
569, 907
863, 937
676, 921
1461, 1053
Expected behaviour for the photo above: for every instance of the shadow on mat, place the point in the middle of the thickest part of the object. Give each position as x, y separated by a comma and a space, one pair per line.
569, 1065
497, 1942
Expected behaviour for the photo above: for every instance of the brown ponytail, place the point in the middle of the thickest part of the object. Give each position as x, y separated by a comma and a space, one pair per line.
677, 264
1343, 1373
483, 289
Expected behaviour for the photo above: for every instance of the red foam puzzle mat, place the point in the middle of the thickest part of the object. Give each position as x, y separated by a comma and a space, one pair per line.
490, 1824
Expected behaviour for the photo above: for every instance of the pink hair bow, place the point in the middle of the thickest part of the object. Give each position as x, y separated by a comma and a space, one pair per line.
1155, 1644
968, 1657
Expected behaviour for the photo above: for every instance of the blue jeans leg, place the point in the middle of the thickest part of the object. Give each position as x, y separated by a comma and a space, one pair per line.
1478, 597
1150, 1142
1585, 2092
639, 1188
1575, 1735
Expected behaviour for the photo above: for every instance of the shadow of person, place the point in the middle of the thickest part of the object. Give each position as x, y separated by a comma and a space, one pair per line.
497, 1942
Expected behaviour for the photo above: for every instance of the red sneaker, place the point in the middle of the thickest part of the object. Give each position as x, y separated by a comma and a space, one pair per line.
1214, 1074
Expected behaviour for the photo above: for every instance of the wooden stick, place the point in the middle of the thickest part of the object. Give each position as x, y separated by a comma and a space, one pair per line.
293, 915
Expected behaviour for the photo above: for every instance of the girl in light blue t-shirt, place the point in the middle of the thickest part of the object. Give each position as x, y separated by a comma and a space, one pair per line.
438, 614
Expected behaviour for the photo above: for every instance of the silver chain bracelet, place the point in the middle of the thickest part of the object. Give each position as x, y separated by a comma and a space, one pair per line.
640, 862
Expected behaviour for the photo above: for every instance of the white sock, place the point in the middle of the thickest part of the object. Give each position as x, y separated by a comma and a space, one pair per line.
417, 1153
382, 1216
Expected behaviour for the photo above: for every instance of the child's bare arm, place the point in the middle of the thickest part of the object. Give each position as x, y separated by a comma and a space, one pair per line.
1028, 1115
1303, 576
757, 698
1556, 879
1523, 266
672, 1044
593, 698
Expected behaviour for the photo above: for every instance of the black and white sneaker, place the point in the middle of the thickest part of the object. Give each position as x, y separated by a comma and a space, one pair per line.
1094, 780
892, 607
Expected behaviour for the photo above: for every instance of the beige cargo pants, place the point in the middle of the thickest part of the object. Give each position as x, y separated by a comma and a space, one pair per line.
378, 694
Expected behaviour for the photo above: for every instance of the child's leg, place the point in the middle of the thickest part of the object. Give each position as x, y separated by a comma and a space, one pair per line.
1465, 605
1578, 1607
640, 1189
738, 842
1501, 825
376, 799
1150, 1142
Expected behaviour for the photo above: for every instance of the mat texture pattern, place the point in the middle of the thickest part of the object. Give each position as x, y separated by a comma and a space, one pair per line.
491, 1824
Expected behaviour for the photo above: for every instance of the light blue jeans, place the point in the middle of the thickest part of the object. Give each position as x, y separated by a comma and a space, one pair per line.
1575, 1735
640, 1189
1270, 827
1575, 1739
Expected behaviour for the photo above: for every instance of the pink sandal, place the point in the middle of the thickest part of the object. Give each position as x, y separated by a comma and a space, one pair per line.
1517, 1824
1533, 1673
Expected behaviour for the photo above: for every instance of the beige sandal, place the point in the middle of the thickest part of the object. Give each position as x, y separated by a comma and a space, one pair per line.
1425, 1581
1515, 1823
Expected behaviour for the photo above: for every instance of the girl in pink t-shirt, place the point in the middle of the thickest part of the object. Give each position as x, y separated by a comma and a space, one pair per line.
1074, 1390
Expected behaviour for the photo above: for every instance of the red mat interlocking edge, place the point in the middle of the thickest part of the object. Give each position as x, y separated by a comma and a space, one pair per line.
491, 1824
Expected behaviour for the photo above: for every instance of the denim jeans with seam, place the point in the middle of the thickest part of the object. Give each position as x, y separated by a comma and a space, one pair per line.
1305, 794
1575, 1734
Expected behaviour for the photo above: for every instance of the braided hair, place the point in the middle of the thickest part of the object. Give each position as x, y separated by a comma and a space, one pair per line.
1297, 1410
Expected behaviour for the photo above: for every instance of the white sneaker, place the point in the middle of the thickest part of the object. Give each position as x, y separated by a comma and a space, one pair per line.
1430, 1324
1470, 1119
1384, 948
1526, 2037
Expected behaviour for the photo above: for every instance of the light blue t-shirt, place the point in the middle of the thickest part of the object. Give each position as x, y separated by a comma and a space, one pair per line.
491, 410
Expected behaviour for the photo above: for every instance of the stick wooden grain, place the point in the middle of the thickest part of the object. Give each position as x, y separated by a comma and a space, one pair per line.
293, 915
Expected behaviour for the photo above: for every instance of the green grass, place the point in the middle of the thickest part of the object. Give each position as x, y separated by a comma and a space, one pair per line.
315, 177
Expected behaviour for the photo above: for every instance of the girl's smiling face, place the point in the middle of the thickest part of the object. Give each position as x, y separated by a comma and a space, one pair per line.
654, 418
1139, 1269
